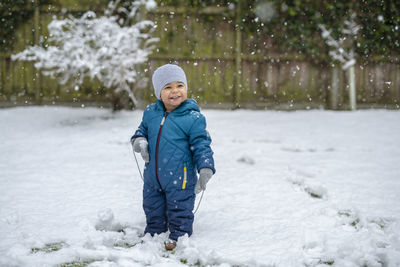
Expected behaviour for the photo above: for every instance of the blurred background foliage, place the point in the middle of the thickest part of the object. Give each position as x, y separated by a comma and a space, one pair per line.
10, 16
291, 25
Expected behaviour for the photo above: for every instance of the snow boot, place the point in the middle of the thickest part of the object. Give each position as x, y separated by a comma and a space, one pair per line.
170, 244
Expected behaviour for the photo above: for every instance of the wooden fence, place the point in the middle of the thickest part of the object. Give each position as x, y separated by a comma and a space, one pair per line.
225, 67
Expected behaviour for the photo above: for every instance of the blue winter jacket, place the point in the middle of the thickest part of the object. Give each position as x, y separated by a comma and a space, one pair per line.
179, 145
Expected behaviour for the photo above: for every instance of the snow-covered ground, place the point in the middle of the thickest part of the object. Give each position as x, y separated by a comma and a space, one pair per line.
305, 188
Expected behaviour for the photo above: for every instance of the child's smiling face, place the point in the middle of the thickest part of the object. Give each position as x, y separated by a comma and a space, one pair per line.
173, 94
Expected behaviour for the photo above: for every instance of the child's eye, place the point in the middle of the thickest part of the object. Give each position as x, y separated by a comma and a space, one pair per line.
180, 85
167, 87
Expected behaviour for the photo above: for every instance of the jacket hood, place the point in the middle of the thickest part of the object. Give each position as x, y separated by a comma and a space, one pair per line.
187, 105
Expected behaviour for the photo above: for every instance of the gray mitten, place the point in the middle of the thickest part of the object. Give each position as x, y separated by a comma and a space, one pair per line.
205, 176
140, 145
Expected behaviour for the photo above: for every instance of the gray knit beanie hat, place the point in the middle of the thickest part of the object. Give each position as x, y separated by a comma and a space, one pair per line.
166, 74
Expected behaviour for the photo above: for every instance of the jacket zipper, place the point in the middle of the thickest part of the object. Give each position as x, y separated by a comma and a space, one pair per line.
158, 142
184, 176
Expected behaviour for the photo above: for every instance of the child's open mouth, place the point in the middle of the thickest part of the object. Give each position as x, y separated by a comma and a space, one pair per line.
174, 97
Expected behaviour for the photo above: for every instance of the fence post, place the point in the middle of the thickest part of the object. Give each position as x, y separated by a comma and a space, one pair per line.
334, 90
237, 83
2, 73
36, 29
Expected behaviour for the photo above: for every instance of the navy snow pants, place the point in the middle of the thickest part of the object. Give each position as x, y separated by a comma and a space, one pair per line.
170, 209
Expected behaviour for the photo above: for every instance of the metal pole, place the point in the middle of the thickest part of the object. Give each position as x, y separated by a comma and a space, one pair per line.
352, 89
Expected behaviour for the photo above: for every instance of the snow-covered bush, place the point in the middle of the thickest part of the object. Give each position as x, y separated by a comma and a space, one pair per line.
342, 50
110, 48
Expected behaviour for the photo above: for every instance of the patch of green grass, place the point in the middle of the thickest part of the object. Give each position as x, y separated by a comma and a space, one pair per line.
355, 222
198, 264
312, 194
185, 261
125, 245
48, 248
325, 262
77, 263
344, 213
381, 225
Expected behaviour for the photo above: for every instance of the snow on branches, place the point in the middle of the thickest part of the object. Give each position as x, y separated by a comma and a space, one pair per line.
342, 48
110, 48
343, 51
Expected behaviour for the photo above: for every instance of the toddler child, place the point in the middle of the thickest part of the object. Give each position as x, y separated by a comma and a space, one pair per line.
175, 145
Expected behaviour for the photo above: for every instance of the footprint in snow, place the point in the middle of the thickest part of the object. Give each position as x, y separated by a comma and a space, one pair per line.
311, 150
313, 190
246, 160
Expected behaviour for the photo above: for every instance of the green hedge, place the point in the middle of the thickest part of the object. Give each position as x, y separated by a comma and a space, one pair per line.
10, 17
